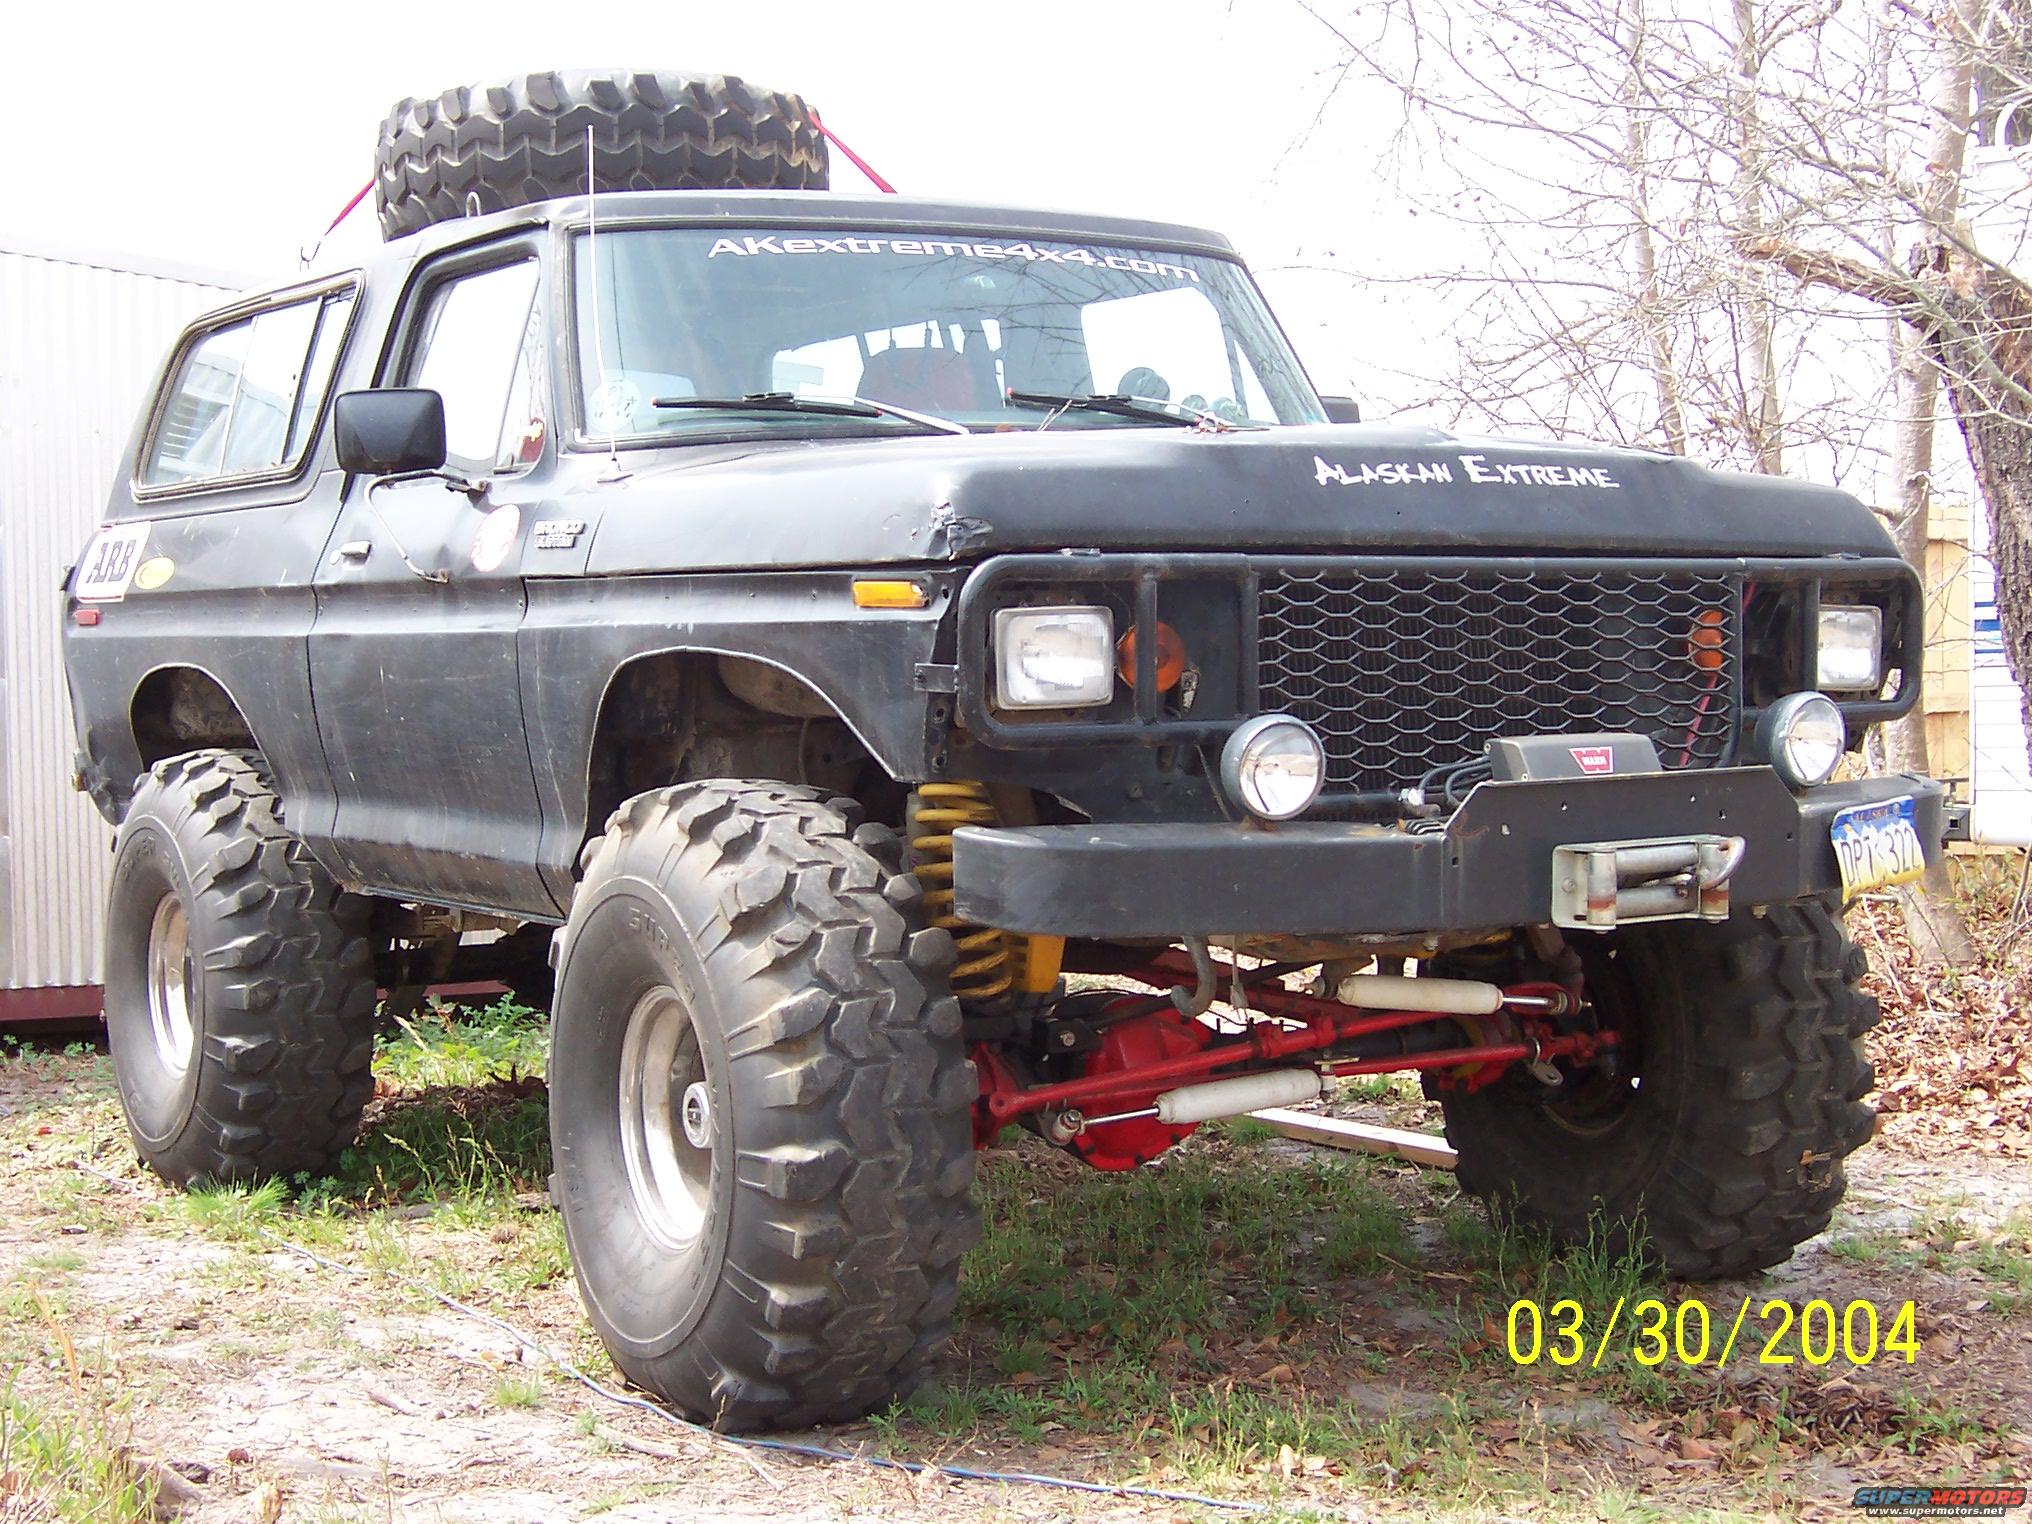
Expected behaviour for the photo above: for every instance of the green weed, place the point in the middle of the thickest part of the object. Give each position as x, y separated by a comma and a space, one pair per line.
450, 1045
518, 1392
234, 1212
60, 1468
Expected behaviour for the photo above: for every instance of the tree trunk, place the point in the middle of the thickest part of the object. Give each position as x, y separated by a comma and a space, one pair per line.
1932, 919
1986, 355
1763, 418
1918, 390
1643, 246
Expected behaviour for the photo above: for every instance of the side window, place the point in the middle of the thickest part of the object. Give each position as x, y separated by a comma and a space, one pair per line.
324, 360
190, 442
480, 348
247, 396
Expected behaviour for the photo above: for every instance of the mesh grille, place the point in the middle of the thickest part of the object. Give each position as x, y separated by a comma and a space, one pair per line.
1407, 669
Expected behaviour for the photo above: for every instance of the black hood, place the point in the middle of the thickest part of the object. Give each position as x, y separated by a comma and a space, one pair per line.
1363, 487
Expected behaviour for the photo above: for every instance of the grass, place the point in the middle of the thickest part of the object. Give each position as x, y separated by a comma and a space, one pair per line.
456, 1045
1953, 1242
466, 1120
1200, 1321
455, 1147
518, 1392
59, 1468
1243, 1318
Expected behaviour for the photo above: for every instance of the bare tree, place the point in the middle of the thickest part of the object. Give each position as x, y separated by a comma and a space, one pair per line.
1678, 163
1762, 426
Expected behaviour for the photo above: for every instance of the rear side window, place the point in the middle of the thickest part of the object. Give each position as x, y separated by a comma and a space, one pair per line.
246, 398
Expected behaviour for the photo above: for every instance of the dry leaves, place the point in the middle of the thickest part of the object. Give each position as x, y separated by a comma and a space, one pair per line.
1951, 1051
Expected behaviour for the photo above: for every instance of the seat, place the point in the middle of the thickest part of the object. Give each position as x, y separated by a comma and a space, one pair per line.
929, 380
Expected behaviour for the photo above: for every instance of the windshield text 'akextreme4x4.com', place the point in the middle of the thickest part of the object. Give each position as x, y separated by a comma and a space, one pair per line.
885, 671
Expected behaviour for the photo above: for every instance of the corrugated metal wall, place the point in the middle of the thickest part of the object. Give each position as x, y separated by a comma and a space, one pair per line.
80, 339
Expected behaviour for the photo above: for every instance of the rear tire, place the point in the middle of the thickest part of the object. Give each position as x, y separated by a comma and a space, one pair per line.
490, 147
1741, 1092
239, 981
760, 1107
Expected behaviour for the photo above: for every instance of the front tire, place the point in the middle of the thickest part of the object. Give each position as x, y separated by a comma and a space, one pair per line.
1737, 1092
239, 981
760, 1107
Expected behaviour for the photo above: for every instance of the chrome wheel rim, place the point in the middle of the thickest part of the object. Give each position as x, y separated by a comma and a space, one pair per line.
169, 986
667, 1121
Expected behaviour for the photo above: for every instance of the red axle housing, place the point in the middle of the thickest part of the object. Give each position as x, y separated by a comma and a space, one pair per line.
1135, 1075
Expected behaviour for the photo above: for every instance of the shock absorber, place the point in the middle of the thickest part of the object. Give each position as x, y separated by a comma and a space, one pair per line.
985, 968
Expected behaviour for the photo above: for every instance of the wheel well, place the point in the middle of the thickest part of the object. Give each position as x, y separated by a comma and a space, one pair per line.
179, 709
679, 715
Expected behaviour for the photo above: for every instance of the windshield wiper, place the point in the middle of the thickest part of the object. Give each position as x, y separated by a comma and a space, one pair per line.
1124, 405
831, 407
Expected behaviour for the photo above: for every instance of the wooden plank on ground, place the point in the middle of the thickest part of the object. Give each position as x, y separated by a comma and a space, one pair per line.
1364, 1137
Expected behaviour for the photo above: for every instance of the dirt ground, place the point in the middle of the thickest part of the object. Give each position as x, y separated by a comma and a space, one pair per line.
1308, 1334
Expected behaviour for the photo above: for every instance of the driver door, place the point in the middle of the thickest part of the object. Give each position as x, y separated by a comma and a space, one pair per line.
414, 670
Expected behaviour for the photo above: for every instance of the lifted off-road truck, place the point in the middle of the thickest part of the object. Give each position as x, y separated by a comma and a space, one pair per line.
813, 627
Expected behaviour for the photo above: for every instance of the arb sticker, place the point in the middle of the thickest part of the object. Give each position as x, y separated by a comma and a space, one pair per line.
109, 563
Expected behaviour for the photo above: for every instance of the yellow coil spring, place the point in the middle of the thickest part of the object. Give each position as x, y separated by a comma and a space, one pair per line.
984, 969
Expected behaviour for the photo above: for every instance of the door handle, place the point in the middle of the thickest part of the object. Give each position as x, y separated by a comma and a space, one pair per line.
355, 550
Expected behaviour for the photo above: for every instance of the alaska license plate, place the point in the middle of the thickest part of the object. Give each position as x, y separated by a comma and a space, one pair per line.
1876, 845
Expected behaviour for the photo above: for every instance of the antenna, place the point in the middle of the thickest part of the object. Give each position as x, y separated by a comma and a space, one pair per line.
613, 473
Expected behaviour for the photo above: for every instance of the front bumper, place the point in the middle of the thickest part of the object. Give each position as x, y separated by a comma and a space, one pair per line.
1491, 867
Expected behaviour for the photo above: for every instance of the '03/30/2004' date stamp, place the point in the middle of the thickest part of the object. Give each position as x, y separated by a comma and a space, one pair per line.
1654, 1332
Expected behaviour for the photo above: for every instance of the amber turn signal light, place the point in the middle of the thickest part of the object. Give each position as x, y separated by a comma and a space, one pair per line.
870, 594
1170, 658
1707, 640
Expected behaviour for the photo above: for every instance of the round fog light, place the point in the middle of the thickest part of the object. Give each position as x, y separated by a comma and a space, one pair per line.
1273, 766
1803, 737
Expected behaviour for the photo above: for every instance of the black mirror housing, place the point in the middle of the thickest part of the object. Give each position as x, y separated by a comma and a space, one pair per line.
390, 432
1341, 409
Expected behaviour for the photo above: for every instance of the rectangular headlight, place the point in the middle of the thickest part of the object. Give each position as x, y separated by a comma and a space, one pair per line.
1851, 649
1054, 658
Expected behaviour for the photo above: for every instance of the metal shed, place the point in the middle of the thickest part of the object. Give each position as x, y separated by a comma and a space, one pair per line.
82, 333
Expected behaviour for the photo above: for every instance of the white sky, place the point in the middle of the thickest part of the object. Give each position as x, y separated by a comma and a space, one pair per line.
230, 134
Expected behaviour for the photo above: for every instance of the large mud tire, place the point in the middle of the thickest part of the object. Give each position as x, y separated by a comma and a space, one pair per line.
1722, 1140
239, 981
760, 1106
486, 148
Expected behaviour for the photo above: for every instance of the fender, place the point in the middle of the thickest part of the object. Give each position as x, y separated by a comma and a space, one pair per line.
862, 663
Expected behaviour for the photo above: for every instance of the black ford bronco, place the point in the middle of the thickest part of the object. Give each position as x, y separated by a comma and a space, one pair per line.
816, 631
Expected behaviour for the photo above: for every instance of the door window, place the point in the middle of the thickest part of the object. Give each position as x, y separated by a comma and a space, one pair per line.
247, 396
480, 349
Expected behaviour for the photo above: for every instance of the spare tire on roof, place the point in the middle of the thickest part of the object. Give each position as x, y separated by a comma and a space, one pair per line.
485, 148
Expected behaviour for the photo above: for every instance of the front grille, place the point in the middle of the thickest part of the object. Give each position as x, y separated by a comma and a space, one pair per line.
1404, 669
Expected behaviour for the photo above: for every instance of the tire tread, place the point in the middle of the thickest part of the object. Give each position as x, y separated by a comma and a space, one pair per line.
854, 1043
287, 1050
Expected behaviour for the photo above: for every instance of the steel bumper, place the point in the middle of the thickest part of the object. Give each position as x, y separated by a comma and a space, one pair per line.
1491, 867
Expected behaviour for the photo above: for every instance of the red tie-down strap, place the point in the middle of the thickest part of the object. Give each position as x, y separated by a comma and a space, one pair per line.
858, 162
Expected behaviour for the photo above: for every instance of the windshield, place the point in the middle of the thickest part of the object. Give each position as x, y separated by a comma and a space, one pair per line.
946, 327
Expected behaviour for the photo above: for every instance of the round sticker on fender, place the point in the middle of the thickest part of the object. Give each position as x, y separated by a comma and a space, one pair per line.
496, 537
154, 573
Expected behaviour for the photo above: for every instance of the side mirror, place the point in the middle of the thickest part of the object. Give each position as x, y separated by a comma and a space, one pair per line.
1338, 409
390, 432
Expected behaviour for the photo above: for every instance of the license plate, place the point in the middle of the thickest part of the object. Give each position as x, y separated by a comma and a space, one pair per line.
1876, 845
